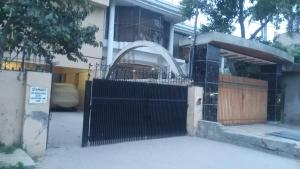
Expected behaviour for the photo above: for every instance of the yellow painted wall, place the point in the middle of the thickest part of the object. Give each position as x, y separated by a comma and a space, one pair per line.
97, 18
70, 77
70, 68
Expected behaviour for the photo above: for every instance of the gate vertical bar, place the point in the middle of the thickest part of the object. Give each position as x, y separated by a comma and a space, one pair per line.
127, 110
86, 113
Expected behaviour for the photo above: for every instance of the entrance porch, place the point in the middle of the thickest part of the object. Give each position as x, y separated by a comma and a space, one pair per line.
242, 79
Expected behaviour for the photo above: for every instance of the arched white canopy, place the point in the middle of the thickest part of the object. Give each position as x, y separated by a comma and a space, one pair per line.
154, 46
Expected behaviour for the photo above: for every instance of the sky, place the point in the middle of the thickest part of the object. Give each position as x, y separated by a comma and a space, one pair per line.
250, 27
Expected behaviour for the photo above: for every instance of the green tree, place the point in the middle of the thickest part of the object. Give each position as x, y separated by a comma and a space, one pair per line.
275, 11
293, 17
223, 14
292, 50
45, 28
295, 51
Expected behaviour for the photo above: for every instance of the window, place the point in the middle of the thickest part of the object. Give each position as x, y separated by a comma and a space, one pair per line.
135, 23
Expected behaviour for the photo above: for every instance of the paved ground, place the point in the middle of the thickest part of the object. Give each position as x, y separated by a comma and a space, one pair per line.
170, 153
65, 129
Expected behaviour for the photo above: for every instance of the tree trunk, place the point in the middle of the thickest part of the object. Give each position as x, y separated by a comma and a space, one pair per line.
241, 18
1, 57
23, 62
194, 41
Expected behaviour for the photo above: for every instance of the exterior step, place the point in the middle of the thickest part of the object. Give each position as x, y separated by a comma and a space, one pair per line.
250, 138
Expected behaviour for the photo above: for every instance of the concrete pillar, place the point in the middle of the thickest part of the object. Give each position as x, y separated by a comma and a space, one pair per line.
111, 30
194, 113
264, 33
37, 103
171, 39
222, 65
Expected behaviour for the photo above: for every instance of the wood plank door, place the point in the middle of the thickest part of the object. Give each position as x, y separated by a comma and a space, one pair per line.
242, 100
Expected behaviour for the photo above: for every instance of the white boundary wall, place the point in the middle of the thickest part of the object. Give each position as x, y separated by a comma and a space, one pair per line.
12, 94
21, 121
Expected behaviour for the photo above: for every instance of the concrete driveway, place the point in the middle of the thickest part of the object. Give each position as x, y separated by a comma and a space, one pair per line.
65, 129
168, 153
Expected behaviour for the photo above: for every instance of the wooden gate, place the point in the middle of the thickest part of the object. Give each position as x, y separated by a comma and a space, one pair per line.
242, 100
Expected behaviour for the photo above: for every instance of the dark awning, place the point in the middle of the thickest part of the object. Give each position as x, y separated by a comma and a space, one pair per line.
240, 48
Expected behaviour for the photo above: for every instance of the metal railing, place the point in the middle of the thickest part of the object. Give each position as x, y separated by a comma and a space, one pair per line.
38, 64
148, 74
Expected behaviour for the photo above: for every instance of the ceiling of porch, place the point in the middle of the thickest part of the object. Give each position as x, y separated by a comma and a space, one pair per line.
243, 58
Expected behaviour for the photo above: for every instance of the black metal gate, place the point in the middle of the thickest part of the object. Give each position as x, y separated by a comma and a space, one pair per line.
117, 111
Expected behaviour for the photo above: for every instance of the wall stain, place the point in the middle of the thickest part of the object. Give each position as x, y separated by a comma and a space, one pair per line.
41, 117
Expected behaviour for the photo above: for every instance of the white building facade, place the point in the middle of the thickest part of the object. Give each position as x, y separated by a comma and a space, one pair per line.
156, 21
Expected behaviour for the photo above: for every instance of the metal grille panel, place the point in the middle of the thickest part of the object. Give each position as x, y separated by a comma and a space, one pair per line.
125, 111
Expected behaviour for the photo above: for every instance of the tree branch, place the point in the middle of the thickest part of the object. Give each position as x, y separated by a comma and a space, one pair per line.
241, 18
259, 29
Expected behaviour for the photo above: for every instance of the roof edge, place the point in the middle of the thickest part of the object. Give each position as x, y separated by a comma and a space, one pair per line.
104, 3
217, 37
183, 28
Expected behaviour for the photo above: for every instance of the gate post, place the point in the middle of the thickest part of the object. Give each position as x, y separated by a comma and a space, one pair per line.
86, 113
194, 111
206, 75
36, 114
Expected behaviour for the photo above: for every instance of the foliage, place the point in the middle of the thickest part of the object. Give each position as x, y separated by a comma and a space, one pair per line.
293, 18
45, 28
295, 51
188, 8
220, 13
8, 149
18, 166
279, 45
283, 9
275, 10
223, 14
292, 50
